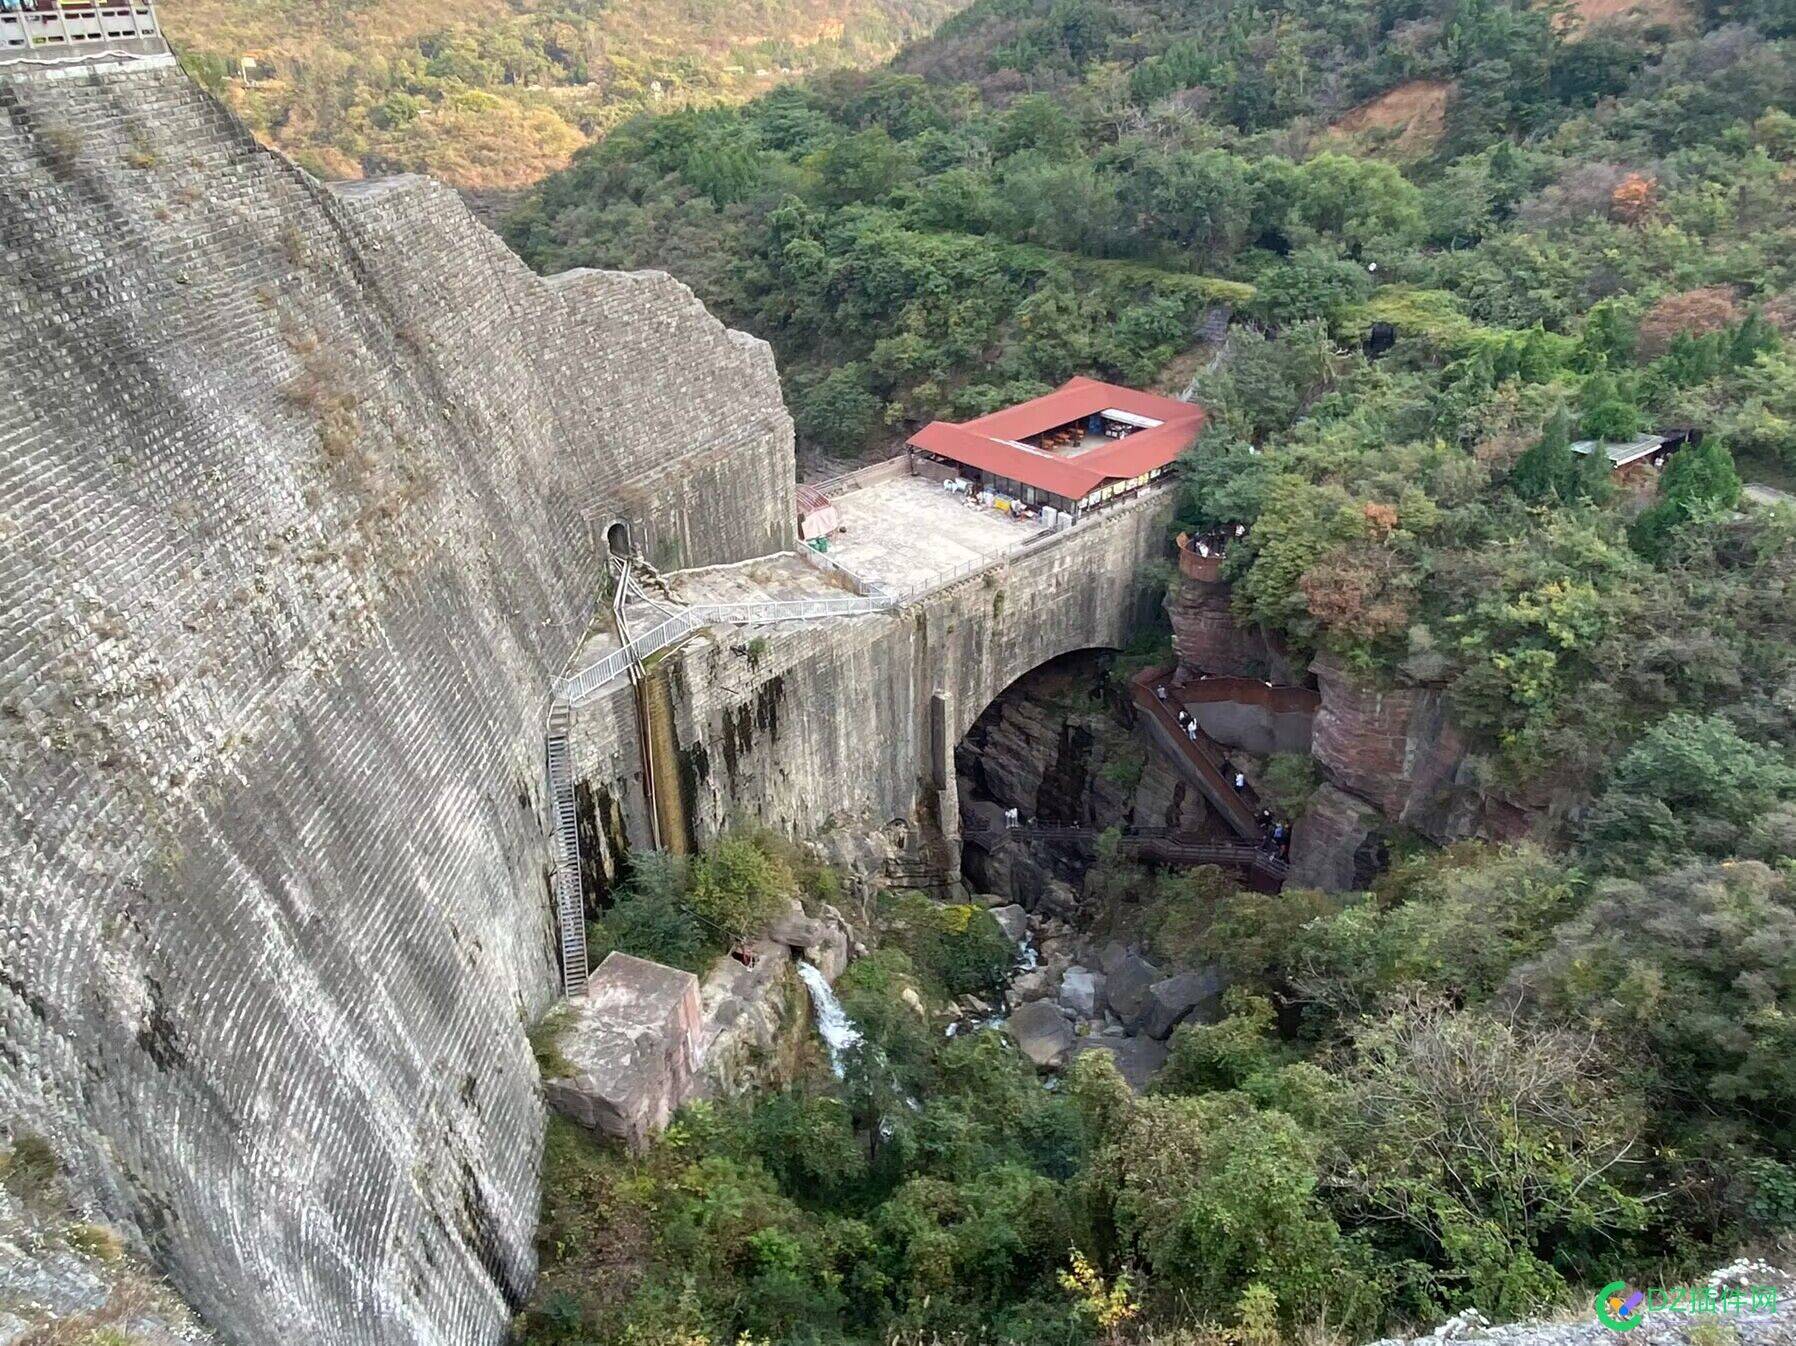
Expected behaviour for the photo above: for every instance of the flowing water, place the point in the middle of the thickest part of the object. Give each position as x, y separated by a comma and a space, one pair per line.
833, 1024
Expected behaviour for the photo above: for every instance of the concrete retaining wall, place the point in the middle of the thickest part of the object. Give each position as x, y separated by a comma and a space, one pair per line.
1251, 715
303, 496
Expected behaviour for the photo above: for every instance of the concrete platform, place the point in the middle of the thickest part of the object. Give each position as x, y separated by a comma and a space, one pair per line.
907, 532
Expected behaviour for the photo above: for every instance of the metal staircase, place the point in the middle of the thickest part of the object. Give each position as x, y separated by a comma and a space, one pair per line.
570, 906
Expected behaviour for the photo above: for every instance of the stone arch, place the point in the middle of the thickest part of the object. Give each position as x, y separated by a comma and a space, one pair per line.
968, 710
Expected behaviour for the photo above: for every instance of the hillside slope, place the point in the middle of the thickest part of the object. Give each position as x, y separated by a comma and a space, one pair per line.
493, 94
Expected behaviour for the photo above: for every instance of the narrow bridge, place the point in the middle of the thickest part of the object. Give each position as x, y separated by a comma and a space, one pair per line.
1163, 845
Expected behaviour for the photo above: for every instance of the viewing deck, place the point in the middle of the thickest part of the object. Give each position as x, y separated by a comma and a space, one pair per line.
59, 31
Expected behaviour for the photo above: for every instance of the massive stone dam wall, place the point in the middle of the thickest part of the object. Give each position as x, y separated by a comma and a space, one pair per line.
848, 726
304, 499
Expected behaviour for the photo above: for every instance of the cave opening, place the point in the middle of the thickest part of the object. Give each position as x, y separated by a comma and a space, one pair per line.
617, 539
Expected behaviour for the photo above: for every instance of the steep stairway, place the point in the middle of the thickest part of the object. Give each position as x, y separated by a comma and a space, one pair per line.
570, 910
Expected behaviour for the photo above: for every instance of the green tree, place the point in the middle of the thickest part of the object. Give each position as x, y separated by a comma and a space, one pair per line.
1503, 1148
1549, 469
1700, 482
1691, 786
1213, 1195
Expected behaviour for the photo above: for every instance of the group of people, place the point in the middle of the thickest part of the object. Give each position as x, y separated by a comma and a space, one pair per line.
1212, 544
1275, 833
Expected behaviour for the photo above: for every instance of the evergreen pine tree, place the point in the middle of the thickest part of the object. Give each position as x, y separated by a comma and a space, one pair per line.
1549, 469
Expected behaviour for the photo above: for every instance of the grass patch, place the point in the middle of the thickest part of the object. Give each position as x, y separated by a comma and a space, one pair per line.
32, 1173
545, 1043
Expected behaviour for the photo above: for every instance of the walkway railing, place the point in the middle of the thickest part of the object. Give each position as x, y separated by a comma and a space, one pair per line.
1200, 754
580, 686
570, 902
1164, 843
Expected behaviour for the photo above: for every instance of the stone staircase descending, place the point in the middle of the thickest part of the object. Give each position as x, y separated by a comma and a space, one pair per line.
570, 909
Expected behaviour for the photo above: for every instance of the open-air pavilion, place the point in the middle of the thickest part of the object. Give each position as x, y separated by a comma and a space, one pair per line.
1081, 446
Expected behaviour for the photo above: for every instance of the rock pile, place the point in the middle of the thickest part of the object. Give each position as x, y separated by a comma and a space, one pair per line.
1074, 997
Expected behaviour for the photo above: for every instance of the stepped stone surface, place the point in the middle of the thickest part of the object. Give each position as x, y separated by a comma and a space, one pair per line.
304, 499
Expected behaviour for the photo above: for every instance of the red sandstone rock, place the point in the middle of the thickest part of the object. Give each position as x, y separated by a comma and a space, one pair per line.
1208, 641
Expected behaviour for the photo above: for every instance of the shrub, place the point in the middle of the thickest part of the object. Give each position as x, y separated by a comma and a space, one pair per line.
656, 927
960, 949
738, 886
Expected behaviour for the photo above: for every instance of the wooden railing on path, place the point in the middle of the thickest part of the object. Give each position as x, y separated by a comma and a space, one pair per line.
1163, 844
1200, 756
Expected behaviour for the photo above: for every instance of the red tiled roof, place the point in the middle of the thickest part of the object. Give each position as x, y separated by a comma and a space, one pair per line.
982, 443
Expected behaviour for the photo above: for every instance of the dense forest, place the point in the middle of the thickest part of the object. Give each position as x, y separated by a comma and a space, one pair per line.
1455, 238
494, 94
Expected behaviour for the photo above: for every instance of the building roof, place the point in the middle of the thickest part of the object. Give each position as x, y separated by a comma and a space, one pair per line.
1621, 454
993, 443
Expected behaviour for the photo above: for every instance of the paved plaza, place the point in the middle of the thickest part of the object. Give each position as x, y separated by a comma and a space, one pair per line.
907, 531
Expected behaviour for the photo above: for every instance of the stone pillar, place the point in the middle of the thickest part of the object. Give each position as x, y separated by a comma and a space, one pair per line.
941, 749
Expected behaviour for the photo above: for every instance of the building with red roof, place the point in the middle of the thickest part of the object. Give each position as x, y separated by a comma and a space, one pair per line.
1083, 444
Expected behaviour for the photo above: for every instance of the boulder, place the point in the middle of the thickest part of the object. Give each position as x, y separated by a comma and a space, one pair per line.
1042, 1031
1137, 1059
1126, 988
910, 997
1031, 985
1082, 991
752, 1024
1058, 898
821, 940
631, 1049
1186, 995
1014, 920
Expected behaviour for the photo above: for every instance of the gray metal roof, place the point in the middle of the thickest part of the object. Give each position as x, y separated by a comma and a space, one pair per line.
1620, 455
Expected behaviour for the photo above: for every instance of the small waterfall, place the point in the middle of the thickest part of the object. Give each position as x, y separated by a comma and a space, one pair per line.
833, 1024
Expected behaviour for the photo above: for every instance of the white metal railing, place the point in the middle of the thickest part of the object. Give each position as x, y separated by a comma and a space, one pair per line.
896, 466
683, 623
75, 23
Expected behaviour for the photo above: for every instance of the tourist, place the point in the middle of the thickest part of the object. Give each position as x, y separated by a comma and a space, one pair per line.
1240, 783
1160, 691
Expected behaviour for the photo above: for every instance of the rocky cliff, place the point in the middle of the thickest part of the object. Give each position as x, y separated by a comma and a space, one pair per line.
1205, 634
1390, 755
304, 499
